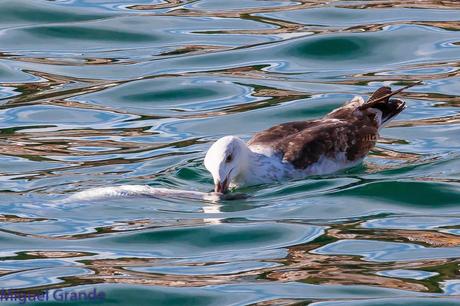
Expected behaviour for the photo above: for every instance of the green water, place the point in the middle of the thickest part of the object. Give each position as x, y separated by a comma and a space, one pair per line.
103, 93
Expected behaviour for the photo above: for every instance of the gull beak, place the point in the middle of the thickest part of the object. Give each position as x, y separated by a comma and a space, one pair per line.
221, 187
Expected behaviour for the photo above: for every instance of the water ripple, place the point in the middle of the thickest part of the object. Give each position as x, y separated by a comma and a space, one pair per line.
102, 93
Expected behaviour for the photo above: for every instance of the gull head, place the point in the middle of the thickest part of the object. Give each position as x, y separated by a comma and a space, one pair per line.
226, 159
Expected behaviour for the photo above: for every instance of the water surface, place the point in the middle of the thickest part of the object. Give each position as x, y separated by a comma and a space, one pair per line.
103, 93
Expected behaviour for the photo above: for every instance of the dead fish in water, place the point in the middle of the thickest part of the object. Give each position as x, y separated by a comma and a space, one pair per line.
125, 191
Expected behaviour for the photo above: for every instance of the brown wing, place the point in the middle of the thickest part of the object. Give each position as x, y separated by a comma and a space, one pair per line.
303, 147
273, 135
351, 129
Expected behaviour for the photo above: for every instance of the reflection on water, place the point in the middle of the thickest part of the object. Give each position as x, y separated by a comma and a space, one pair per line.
103, 93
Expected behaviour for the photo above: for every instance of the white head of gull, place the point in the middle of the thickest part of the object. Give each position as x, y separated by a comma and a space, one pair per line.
227, 159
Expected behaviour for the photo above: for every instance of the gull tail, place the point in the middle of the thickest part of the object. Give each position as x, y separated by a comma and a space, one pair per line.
389, 108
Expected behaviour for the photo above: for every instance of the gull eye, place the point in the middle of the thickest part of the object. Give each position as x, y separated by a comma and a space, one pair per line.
228, 159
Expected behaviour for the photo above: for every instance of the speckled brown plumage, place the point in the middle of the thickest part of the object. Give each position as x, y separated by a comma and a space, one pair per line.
351, 130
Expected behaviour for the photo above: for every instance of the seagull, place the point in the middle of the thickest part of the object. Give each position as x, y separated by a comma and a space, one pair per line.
295, 150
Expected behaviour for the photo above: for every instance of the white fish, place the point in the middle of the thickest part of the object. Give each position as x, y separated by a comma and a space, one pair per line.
124, 191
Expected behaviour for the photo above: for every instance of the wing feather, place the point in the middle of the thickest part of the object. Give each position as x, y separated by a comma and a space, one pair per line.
351, 129
303, 143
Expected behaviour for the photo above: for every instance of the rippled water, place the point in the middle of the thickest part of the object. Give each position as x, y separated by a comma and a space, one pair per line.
102, 93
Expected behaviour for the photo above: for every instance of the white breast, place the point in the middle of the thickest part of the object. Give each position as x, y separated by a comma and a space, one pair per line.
327, 165
266, 167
